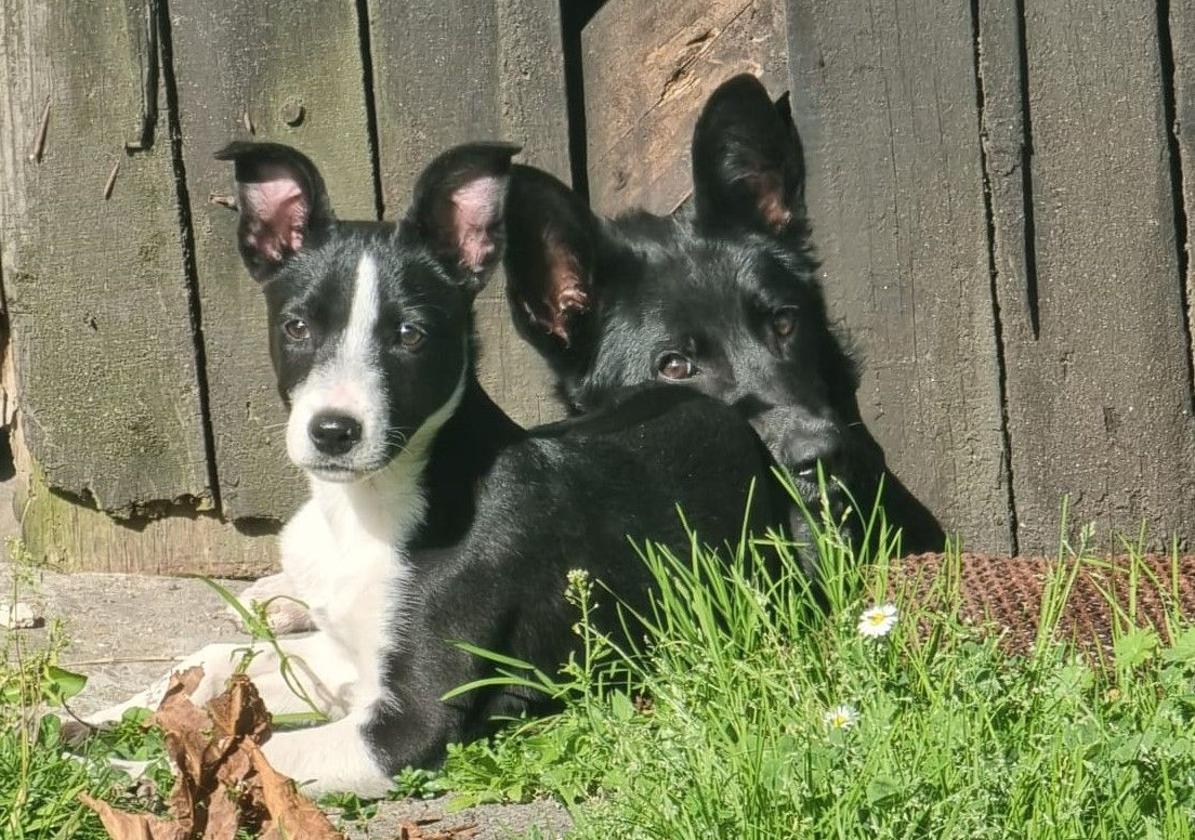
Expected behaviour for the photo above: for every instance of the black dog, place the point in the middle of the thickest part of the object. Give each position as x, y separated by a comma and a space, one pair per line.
433, 517
721, 296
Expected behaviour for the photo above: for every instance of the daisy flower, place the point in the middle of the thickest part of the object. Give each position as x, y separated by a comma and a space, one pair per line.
842, 717
878, 621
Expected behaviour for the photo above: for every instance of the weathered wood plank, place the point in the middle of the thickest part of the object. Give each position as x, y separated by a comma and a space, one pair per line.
1002, 132
288, 71
1182, 52
648, 69
1099, 402
66, 535
97, 295
449, 71
884, 96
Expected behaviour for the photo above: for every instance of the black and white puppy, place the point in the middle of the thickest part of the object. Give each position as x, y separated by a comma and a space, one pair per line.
721, 296
433, 517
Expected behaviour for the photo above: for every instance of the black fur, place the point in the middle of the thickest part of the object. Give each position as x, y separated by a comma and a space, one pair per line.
727, 284
509, 511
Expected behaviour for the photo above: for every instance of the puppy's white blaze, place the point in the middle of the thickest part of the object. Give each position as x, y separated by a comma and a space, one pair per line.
357, 347
349, 382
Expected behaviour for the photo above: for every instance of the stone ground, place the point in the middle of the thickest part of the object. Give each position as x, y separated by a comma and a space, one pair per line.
125, 630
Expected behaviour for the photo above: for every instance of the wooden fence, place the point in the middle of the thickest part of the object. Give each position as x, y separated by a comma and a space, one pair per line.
997, 190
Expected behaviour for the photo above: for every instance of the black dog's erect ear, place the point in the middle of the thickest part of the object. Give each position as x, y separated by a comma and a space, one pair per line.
282, 202
748, 169
458, 209
549, 266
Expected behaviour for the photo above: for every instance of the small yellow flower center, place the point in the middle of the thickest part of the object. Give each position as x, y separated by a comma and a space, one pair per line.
876, 618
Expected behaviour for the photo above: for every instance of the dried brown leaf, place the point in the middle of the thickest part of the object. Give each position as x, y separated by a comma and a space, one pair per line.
240, 711
290, 813
223, 815
223, 782
121, 825
416, 831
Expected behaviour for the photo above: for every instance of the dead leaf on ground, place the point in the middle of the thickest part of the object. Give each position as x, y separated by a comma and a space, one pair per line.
291, 813
223, 781
417, 830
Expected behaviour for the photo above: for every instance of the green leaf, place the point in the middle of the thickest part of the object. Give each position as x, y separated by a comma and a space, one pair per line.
1134, 647
505, 680
482, 653
622, 706
61, 684
1182, 649
881, 789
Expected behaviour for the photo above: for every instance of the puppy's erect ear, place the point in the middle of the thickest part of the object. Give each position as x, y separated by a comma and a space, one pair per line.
282, 202
549, 266
748, 169
458, 209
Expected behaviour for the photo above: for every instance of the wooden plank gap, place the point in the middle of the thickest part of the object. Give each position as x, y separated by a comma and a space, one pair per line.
993, 275
1032, 299
165, 56
1177, 179
574, 16
371, 107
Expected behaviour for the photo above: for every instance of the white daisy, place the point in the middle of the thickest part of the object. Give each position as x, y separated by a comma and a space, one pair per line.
878, 621
842, 717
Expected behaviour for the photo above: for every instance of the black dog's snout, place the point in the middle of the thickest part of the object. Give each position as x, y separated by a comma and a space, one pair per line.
805, 451
334, 434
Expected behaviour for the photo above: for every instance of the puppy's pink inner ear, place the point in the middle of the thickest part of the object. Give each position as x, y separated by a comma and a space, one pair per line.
477, 215
276, 210
565, 294
769, 199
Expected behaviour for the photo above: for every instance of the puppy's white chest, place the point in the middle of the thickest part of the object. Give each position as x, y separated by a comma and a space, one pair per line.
349, 578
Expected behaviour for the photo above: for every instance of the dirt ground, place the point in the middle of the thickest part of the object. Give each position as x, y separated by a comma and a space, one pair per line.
125, 630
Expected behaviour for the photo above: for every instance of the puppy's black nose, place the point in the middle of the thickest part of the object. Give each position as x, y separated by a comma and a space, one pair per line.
334, 434
803, 454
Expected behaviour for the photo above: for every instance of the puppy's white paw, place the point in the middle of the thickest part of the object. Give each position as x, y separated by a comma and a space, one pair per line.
284, 613
286, 616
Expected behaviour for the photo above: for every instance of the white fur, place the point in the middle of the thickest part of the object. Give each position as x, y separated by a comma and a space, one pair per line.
345, 555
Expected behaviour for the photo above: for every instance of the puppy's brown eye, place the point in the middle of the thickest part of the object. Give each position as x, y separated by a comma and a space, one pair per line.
296, 329
675, 366
784, 321
410, 336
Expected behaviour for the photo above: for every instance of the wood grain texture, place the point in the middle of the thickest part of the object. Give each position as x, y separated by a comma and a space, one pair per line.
1182, 43
66, 535
450, 71
884, 97
648, 69
97, 297
1003, 134
1099, 403
279, 62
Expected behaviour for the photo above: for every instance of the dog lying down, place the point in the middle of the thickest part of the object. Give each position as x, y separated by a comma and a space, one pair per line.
433, 517
721, 295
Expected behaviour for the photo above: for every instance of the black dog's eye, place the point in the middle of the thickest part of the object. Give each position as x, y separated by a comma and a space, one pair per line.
296, 329
675, 366
784, 321
410, 336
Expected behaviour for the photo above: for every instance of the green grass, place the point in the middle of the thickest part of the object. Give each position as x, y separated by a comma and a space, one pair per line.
719, 728
39, 783
953, 736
